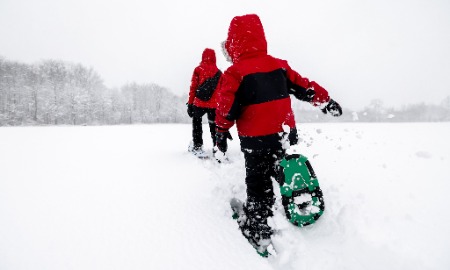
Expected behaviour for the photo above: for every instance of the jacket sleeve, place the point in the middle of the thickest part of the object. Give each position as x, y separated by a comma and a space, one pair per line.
227, 106
194, 86
304, 89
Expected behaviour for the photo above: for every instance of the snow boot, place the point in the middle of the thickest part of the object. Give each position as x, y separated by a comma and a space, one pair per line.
197, 151
252, 220
220, 156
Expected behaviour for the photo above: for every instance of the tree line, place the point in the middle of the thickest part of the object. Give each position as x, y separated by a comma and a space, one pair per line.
59, 93
376, 111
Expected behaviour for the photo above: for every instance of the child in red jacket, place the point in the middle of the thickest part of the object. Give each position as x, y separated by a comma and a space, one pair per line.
254, 94
202, 99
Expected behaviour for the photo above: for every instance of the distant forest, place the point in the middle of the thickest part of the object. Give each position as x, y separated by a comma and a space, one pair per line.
376, 112
54, 92
59, 93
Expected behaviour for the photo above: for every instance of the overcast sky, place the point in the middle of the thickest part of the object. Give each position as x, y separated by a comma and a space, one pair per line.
359, 50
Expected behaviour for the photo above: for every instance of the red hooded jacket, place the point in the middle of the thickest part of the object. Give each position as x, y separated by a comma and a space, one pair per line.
254, 91
207, 69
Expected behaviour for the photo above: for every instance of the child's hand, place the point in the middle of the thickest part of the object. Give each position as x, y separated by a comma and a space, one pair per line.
190, 110
333, 108
221, 140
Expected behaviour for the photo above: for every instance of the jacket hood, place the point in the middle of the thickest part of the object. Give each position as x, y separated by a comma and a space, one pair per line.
208, 56
245, 37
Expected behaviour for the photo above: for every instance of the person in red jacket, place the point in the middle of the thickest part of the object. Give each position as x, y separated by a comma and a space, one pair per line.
254, 93
202, 99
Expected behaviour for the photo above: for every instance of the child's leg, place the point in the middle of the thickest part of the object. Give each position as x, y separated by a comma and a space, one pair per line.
211, 113
260, 168
258, 165
197, 130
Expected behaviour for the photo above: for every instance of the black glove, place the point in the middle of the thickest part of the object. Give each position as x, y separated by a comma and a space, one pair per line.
333, 108
221, 140
190, 110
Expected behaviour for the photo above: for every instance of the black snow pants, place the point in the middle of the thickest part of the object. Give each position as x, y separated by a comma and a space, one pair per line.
197, 130
262, 166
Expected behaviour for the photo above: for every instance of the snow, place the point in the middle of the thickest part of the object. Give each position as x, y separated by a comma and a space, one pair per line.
131, 197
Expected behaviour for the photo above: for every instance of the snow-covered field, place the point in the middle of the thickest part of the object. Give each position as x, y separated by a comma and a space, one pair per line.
131, 197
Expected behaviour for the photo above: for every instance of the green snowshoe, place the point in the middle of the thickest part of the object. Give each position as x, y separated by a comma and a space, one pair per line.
302, 197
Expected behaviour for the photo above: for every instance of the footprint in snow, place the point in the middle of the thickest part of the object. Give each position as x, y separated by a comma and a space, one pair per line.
423, 154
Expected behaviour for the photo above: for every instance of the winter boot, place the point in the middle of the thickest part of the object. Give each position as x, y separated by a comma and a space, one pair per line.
220, 156
252, 220
197, 150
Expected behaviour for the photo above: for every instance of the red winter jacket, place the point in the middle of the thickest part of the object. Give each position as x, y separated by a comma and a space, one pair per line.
254, 91
207, 69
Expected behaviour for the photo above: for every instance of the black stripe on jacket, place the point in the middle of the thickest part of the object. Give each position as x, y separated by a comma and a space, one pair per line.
258, 88
263, 87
